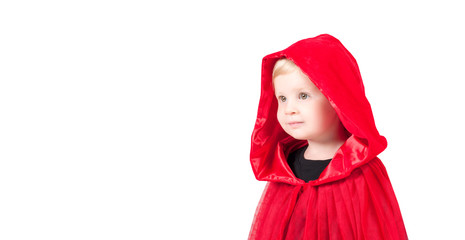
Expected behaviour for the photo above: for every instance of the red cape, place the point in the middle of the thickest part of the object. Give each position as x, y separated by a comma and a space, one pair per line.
353, 197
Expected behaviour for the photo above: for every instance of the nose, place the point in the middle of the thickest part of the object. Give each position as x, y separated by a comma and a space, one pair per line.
291, 108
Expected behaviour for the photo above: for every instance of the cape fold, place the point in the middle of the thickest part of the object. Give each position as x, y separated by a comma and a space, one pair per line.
361, 206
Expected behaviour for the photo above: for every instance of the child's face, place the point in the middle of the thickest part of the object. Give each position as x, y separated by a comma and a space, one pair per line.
303, 111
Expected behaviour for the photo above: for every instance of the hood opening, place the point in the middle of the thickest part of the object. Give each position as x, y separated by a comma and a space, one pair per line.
335, 72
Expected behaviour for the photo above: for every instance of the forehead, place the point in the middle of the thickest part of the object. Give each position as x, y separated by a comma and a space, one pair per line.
294, 80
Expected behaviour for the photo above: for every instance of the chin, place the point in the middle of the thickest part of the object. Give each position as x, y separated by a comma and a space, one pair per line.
299, 136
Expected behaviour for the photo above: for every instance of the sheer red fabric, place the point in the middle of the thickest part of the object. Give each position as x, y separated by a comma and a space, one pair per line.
353, 197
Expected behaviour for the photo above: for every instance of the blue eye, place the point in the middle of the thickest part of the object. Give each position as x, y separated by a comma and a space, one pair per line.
282, 98
303, 96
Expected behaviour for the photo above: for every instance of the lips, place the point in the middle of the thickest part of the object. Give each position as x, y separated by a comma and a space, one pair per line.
295, 124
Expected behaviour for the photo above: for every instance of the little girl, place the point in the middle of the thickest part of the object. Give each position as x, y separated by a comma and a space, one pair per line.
316, 143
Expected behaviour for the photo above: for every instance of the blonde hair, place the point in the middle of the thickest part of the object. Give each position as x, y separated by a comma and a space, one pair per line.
283, 66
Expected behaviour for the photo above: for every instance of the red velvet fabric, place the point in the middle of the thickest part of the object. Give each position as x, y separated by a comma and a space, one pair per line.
353, 197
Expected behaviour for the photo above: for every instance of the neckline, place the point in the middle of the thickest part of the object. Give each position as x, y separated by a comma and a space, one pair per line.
311, 160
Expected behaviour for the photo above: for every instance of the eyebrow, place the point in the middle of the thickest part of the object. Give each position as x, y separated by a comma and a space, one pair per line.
310, 89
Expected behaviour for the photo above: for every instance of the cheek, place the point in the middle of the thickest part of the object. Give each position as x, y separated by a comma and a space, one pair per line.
320, 113
329, 109
327, 112
279, 115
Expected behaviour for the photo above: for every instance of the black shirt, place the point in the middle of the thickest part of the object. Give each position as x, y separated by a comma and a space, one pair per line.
306, 169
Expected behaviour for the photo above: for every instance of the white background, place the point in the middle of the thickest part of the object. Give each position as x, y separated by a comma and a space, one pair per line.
132, 119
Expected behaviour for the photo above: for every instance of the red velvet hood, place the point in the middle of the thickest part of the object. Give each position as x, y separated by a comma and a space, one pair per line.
335, 72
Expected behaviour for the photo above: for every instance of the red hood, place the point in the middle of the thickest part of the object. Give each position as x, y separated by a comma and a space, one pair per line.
335, 72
